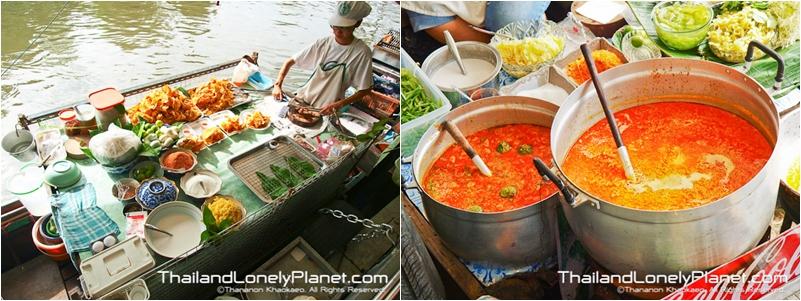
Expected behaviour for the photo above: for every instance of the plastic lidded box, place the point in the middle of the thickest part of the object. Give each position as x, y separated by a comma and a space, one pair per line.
412, 131
106, 98
115, 266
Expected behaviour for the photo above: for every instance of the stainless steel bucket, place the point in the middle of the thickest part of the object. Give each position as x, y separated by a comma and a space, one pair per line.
656, 242
467, 50
521, 236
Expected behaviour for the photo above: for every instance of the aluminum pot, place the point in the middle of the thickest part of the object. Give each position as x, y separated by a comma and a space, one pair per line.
657, 242
520, 236
467, 50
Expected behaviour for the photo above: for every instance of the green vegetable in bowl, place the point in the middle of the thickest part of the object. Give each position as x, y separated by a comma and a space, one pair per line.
682, 25
144, 172
731, 33
415, 100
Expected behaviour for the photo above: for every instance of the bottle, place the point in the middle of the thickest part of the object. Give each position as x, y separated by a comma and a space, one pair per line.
71, 123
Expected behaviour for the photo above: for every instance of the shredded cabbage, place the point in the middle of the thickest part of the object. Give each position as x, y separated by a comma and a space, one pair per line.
786, 14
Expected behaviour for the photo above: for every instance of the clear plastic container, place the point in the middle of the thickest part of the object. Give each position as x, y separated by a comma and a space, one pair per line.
28, 185
412, 131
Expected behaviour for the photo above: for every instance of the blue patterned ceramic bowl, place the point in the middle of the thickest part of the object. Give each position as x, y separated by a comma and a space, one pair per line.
155, 192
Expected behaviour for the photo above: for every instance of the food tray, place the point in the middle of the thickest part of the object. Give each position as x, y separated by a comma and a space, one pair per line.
297, 256
259, 158
594, 44
537, 79
115, 266
412, 131
243, 117
197, 127
218, 118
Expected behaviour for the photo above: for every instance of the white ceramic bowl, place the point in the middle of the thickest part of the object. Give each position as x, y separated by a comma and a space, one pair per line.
183, 220
210, 189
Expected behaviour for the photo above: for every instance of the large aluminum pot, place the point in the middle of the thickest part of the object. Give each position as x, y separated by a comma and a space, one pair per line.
521, 236
657, 242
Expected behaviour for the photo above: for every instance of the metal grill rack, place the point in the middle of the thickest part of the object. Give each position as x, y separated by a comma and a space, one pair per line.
394, 43
260, 157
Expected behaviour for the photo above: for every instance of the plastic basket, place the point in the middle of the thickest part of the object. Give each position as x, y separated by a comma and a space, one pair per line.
412, 131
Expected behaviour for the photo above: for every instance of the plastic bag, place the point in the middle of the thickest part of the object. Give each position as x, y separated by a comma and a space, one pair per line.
115, 146
242, 71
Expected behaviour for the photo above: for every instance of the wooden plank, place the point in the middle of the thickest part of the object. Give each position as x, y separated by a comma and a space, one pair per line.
439, 252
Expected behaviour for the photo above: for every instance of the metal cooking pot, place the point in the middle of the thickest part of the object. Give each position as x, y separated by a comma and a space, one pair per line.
656, 242
519, 236
468, 50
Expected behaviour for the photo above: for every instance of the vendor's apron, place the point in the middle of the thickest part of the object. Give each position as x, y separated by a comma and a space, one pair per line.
326, 85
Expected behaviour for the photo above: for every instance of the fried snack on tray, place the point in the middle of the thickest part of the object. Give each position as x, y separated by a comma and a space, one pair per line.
193, 143
212, 135
232, 125
213, 96
257, 120
164, 104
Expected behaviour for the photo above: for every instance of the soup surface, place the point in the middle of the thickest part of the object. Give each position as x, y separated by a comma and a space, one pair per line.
508, 151
685, 155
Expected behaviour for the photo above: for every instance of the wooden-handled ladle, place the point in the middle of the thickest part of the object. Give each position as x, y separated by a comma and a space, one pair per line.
610, 118
462, 141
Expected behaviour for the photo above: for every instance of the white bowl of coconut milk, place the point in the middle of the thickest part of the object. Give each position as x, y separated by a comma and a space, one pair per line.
482, 64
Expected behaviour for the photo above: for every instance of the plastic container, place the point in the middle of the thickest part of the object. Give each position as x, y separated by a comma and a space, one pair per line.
260, 81
71, 123
412, 131
28, 186
109, 105
86, 118
243, 71
115, 266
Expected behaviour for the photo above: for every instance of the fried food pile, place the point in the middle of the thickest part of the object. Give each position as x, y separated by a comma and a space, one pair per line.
213, 96
232, 125
212, 135
257, 120
164, 104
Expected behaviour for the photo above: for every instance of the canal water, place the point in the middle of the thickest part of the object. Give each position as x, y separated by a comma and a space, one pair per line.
92, 45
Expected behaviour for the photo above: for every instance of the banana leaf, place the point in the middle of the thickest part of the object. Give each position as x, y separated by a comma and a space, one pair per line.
304, 169
271, 186
285, 176
762, 70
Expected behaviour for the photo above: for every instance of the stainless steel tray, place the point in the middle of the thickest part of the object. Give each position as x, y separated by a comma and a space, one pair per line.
297, 256
259, 158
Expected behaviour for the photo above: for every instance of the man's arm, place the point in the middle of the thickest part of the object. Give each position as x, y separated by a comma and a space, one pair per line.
279, 81
333, 107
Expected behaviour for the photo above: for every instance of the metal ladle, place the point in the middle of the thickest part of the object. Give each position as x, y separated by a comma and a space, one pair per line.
610, 118
462, 141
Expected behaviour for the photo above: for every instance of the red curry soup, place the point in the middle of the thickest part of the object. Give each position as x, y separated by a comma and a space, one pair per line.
508, 151
685, 155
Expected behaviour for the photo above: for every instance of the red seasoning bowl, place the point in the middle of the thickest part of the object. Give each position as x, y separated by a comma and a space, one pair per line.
177, 160
57, 252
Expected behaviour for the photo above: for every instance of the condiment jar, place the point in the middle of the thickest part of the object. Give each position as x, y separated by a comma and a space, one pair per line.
109, 105
85, 114
71, 123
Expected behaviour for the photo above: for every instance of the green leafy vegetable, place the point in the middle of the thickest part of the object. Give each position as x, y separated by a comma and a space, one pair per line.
284, 175
303, 168
415, 100
271, 186
212, 227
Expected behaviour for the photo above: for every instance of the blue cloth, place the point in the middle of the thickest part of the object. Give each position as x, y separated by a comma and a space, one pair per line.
501, 13
79, 220
498, 15
422, 22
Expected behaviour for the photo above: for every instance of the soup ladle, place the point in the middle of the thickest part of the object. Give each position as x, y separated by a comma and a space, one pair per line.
462, 141
610, 118
454, 51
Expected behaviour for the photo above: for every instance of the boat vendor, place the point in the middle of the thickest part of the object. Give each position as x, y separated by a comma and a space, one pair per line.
339, 61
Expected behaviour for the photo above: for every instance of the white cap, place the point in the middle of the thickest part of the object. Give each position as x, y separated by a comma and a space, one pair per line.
348, 13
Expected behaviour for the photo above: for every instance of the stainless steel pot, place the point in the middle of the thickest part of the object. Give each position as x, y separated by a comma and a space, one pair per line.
521, 236
467, 50
657, 242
